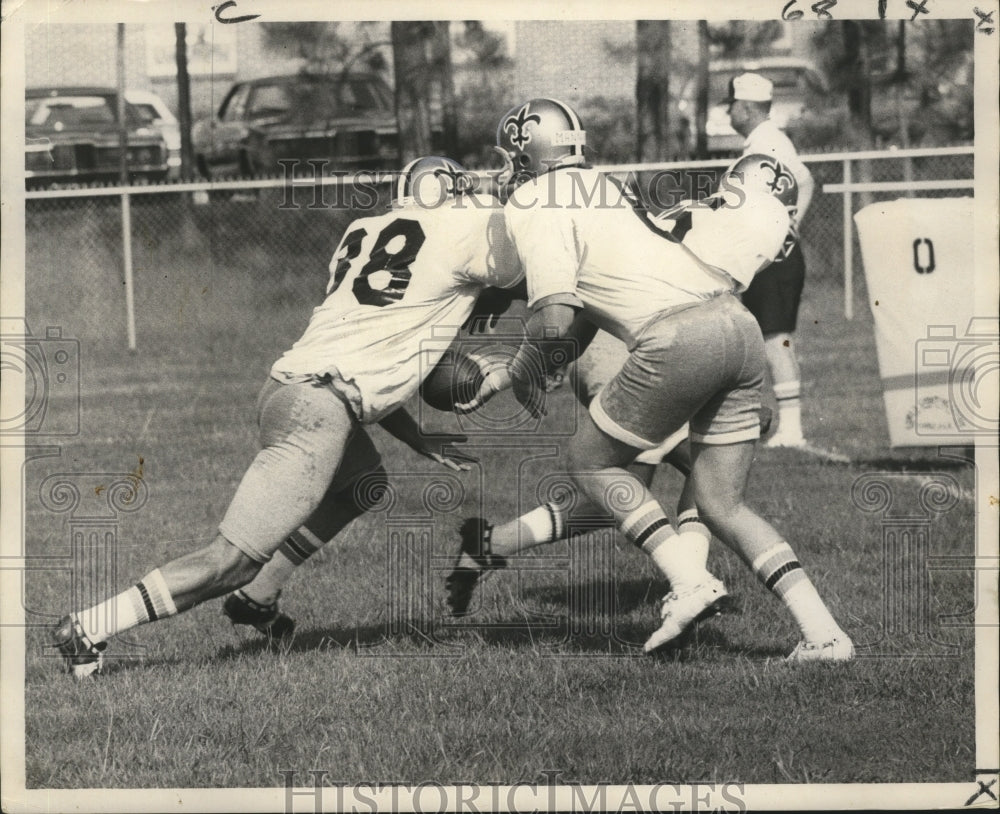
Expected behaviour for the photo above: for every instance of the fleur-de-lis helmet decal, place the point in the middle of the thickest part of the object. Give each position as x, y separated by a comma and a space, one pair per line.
764, 174
538, 136
782, 183
516, 127
430, 180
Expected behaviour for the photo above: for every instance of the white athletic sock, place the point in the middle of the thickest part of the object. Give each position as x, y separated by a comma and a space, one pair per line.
299, 547
789, 397
782, 574
693, 535
542, 525
146, 601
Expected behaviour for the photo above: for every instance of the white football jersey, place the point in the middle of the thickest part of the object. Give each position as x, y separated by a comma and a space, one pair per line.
740, 240
580, 241
398, 283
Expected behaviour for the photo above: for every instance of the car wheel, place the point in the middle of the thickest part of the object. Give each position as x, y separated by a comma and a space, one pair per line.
202, 166
246, 166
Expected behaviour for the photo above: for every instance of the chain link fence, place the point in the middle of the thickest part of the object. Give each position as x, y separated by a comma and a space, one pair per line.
218, 269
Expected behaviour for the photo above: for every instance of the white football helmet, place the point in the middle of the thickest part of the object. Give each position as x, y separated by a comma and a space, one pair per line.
429, 181
759, 174
755, 175
537, 137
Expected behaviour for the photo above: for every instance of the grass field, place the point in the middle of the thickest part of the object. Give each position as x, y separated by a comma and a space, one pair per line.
547, 675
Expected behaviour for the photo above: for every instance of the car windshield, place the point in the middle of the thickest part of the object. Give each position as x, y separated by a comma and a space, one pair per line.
148, 112
69, 112
78, 113
315, 100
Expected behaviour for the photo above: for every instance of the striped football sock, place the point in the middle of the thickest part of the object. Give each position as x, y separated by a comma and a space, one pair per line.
146, 601
299, 547
649, 529
542, 525
782, 574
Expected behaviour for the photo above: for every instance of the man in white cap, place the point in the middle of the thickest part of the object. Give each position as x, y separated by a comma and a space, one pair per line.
773, 296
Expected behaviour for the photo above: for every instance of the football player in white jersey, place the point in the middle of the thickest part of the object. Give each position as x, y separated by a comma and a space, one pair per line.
396, 279
605, 355
696, 354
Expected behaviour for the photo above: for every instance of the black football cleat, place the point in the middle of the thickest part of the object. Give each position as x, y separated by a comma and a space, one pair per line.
267, 619
80, 656
475, 549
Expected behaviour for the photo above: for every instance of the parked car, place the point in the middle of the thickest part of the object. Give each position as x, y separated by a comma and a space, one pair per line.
347, 121
794, 80
72, 136
163, 119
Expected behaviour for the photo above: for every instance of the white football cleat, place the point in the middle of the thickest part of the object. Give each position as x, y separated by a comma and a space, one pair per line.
839, 648
680, 611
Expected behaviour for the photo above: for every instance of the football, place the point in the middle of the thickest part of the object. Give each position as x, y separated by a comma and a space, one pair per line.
454, 380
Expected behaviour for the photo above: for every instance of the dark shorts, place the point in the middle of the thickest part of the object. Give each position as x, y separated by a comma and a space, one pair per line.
774, 294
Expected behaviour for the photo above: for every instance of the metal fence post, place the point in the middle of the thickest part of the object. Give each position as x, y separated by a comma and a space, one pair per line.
848, 244
127, 258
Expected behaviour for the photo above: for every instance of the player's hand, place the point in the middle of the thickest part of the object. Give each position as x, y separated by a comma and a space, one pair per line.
440, 447
491, 304
482, 324
495, 380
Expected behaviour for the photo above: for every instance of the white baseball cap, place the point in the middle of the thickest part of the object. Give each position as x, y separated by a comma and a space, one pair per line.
750, 87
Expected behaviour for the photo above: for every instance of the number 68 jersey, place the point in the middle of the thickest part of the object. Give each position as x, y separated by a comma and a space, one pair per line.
396, 281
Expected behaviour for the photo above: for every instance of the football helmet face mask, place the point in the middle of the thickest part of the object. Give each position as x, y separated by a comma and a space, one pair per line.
536, 137
429, 181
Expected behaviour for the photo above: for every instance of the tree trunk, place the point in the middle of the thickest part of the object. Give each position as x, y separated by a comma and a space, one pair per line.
859, 103
446, 87
654, 139
184, 102
701, 101
902, 77
411, 45
859, 88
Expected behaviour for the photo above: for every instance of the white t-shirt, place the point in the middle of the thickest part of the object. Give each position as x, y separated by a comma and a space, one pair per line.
766, 138
581, 242
399, 282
